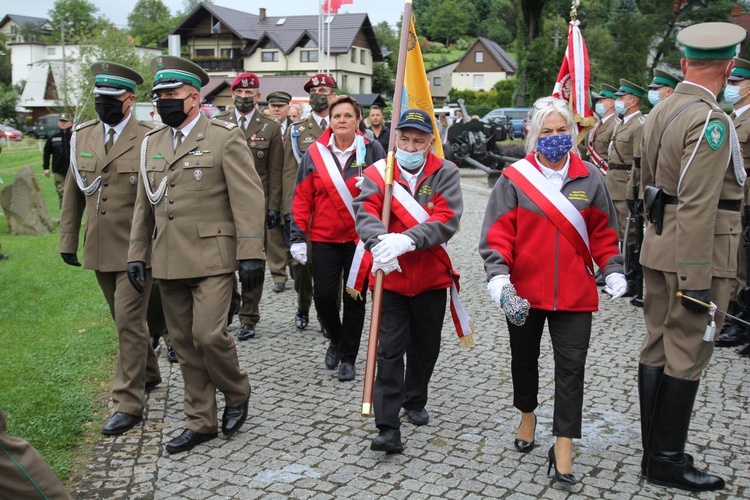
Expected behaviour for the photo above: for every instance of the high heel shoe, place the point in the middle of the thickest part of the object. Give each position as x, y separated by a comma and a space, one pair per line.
565, 479
524, 446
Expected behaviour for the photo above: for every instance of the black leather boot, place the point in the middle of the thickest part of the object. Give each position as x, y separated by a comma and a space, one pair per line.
649, 378
732, 333
667, 464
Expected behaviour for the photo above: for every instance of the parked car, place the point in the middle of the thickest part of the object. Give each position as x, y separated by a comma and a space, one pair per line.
506, 127
519, 117
44, 127
210, 110
8, 133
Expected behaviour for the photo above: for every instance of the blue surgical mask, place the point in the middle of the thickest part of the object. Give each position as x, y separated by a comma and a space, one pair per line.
554, 147
620, 107
653, 97
732, 94
599, 109
409, 161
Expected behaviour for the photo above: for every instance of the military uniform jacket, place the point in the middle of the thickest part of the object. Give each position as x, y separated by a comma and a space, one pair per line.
698, 241
624, 146
109, 210
742, 125
601, 135
211, 215
263, 136
308, 131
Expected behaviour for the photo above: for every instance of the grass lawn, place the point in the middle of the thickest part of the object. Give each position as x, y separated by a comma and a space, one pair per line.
57, 340
436, 59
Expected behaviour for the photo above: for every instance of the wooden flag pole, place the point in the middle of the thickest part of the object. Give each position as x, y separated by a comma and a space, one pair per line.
377, 294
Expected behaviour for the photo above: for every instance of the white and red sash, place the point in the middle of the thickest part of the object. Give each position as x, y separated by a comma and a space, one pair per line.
558, 209
598, 159
342, 199
410, 213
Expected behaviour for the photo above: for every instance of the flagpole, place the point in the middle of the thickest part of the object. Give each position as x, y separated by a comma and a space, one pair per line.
377, 293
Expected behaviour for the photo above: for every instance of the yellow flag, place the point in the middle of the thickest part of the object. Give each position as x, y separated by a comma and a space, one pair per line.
416, 87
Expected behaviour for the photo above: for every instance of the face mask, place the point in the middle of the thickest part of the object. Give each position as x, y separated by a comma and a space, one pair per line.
171, 111
653, 97
732, 94
409, 161
318, 102
554, 147
244, 104
599, 109
620, 107
109, 109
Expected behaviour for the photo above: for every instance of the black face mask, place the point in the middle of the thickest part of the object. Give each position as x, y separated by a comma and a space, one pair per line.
109, 109
171, 111
318, 102
244, 104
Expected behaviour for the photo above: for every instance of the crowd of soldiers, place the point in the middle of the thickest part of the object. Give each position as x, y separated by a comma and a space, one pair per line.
189, 206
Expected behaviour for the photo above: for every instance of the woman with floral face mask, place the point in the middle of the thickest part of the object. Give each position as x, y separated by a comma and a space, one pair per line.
548, 220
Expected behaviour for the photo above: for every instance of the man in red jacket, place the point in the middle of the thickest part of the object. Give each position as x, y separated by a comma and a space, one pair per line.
427, 207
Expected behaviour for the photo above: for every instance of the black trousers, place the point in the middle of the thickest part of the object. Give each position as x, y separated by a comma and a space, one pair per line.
570, 333
331, 261
411, 326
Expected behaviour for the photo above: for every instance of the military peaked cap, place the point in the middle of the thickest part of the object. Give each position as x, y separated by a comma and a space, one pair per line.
114, 79
628, 87
711, 40
171, 72
741, 70
664, 79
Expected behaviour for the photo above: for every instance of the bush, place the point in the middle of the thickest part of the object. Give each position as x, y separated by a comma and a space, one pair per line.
435, 47
462, 44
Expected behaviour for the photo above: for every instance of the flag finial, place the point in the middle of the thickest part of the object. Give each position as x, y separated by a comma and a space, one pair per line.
574, 10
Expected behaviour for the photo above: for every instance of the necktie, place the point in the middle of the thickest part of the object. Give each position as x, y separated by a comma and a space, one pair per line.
323, 123
243, 122
177, 139
110, 140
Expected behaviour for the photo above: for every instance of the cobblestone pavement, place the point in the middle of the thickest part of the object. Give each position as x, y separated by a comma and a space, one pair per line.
305, 437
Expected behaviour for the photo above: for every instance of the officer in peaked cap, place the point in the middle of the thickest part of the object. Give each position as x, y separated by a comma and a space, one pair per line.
737, 93
263, 136
209, 222
299, 136
103, 178
691, 154
662, 86
278, 101
597, 143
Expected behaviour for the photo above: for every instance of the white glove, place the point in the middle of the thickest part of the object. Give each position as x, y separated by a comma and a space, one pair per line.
617, 285
391, 246
360, 179
495, 287
299, 252
387, 267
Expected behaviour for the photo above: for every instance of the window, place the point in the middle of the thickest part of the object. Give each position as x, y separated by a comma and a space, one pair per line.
227, 53
50, 51
344, 86
204, 52
308, 56
269, 56
478, 82
361, 85
270, 44
354, 55
478, 56
361, 56
437, 81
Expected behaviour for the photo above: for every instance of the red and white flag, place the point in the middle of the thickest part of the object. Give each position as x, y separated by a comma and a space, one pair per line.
573, 79
333, 6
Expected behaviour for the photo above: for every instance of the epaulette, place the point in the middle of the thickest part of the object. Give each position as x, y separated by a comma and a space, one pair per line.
642, 119
224, 124
155, 129
87, 124
221, 114
300, 122
150, 124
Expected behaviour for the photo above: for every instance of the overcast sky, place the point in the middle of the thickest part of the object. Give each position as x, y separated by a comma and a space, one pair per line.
117, 11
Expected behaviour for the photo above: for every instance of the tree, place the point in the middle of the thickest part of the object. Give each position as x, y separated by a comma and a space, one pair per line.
150, 22
451, 20
499, 25
6, 75
189, 5
75, 19
382, 78
529, 25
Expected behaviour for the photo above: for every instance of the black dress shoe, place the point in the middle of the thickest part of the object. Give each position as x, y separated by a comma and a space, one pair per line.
119, 423
745, 351
246, 332
188, 440
732, 335
418, 417
524, 446
233, 418
332, 356
301, 319
278, 287
388, 440
637, 301
346, 372
171, 356
150, 386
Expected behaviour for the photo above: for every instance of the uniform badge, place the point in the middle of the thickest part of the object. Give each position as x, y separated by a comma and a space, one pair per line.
715, 134
430, 206
301, 129
261, 154
252, 144
424, 190
309, 139
198, 174
133, 180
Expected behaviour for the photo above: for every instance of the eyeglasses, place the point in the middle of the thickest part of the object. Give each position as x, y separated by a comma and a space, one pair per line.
550, 101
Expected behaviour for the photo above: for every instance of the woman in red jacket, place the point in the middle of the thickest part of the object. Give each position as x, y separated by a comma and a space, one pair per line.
548, 219
322, 213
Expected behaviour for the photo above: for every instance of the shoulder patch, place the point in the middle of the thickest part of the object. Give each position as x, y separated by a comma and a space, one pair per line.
223, 124
716, 133
642, 120
87, 124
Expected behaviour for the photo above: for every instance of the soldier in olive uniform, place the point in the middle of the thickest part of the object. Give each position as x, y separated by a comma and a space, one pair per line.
737, 93
597, 144
199, 212
624, 149
300, 135
692, 154
102, 180
263, 136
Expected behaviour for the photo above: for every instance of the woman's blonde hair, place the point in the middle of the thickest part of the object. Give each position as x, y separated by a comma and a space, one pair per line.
543, 108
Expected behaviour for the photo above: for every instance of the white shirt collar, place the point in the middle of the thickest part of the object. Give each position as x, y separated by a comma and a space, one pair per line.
556, 177
317, 118
626, 119
117, 128
604, 120
738, 112
411, 178
248, 116
187, 128
341, 156
699, 86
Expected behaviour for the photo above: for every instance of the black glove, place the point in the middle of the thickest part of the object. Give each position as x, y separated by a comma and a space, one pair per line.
638, 207
137, 274
287, 230
631, 206
251, 273
70, 259
702, 295
273, 219
746, 235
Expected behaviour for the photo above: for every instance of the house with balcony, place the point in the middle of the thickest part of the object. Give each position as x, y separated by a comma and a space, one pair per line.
483, 65
24, 29
226, 42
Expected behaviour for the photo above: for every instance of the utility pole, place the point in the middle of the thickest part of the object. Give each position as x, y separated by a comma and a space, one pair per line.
64, 65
